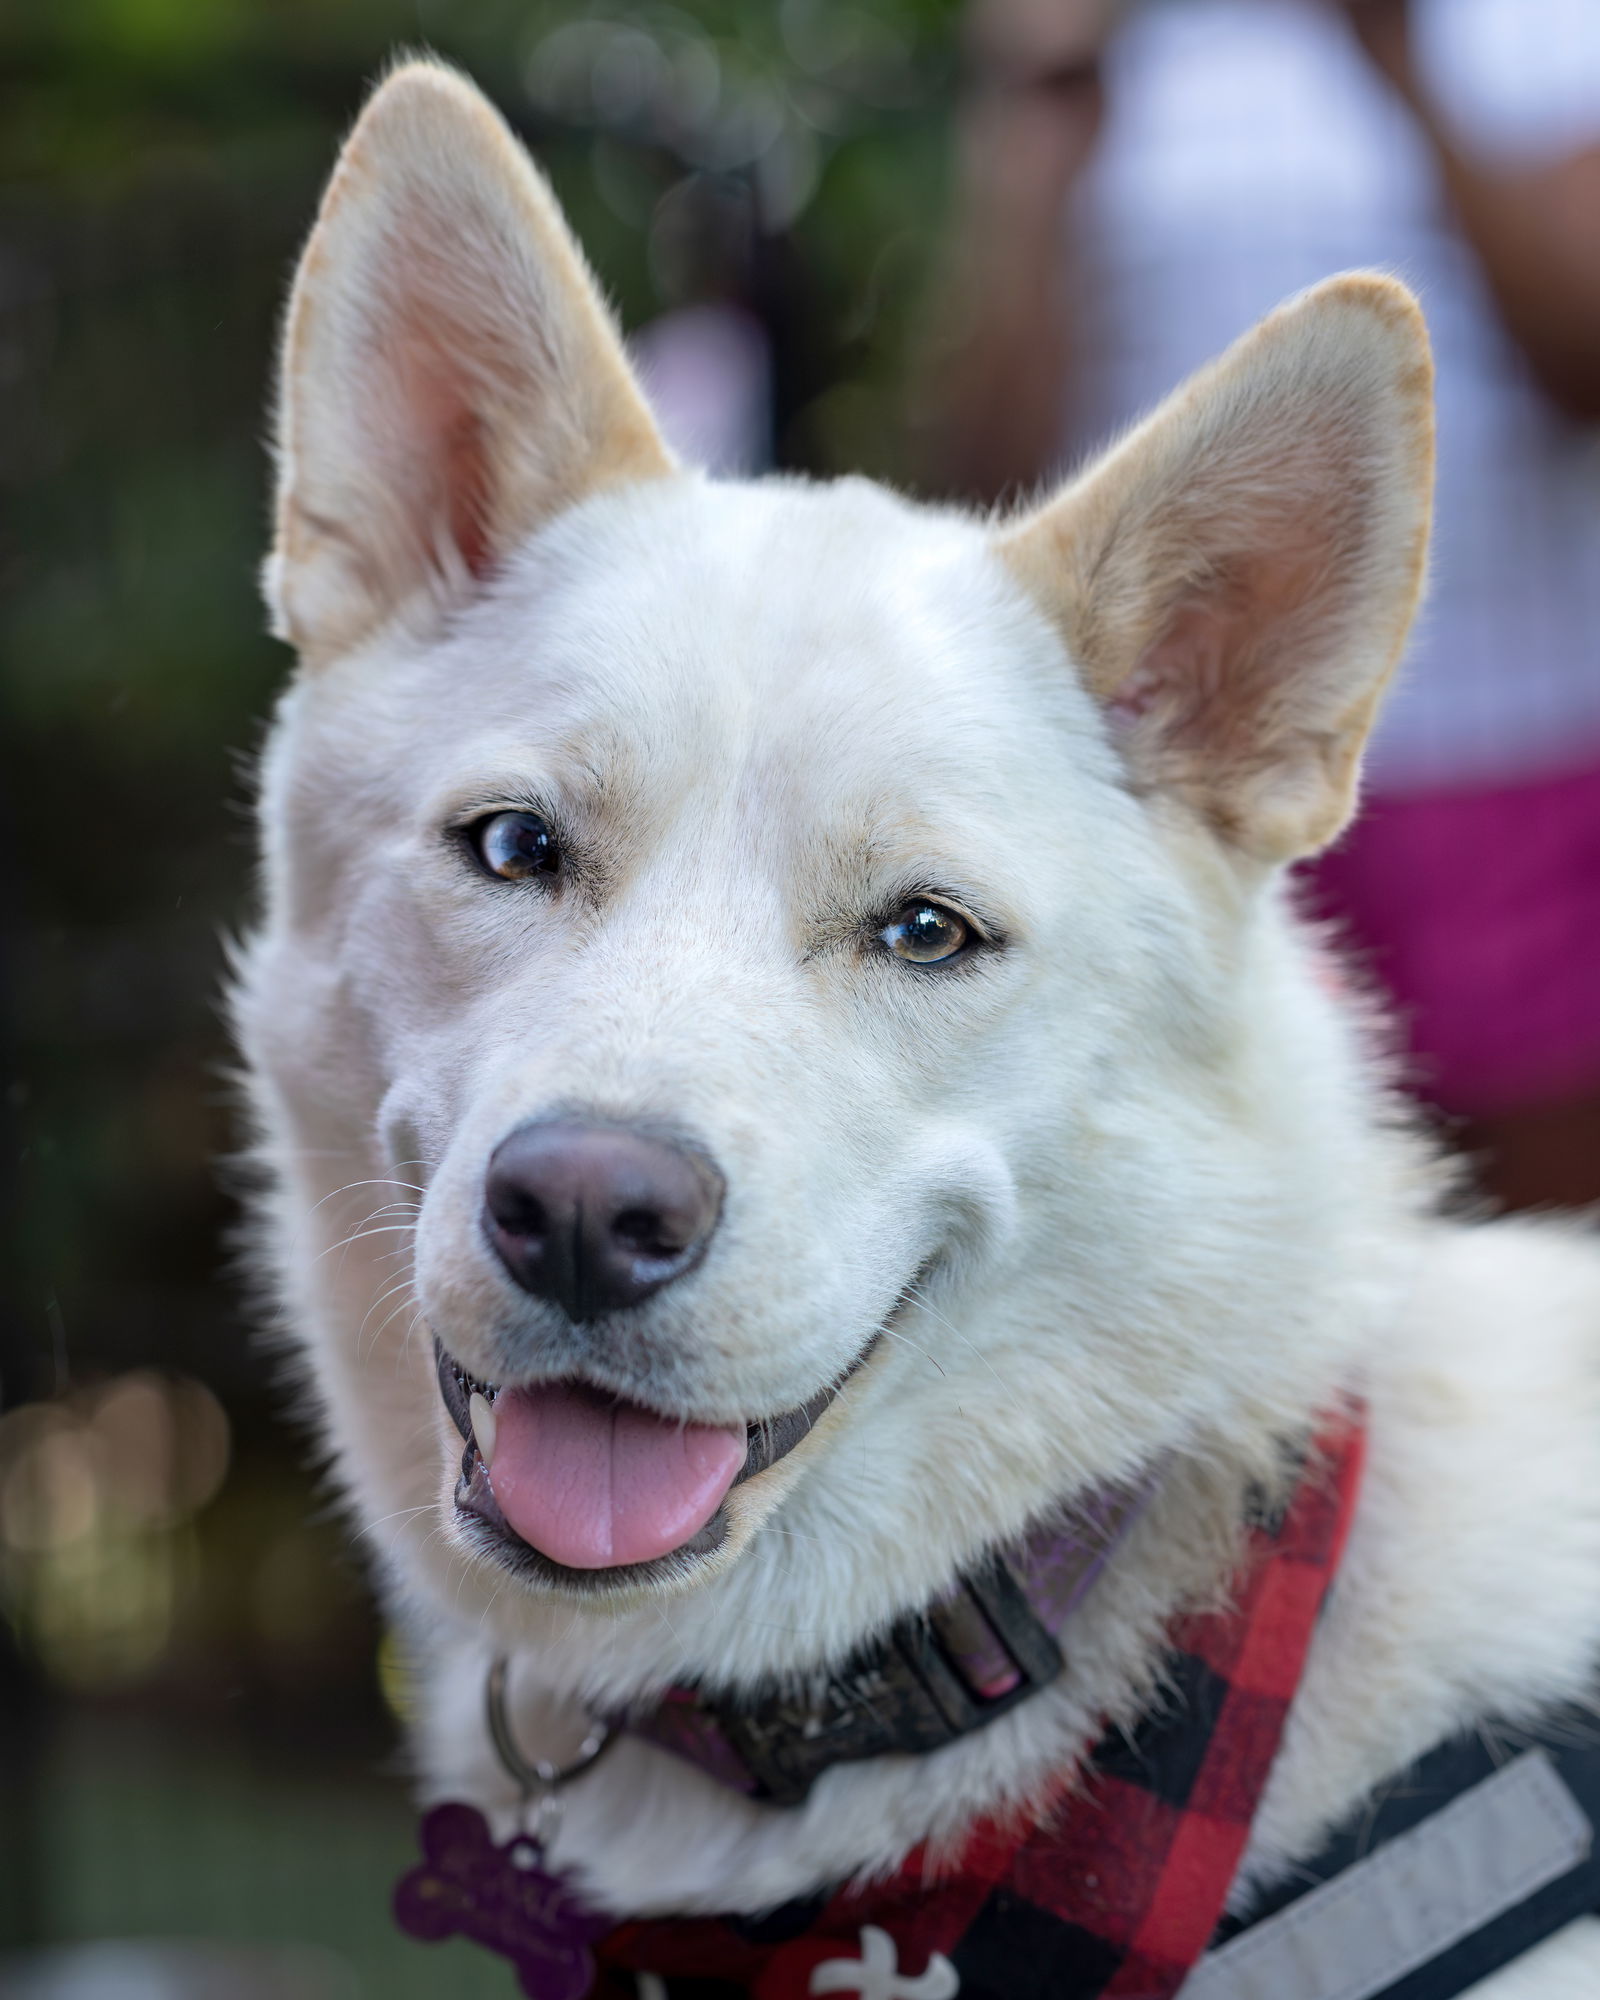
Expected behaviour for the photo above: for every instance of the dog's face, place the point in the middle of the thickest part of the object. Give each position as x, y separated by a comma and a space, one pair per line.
795, 955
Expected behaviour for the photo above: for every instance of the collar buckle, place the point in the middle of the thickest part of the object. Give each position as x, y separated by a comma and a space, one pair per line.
904, 1694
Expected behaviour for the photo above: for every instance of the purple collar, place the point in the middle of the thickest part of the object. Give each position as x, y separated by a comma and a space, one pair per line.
934, 1677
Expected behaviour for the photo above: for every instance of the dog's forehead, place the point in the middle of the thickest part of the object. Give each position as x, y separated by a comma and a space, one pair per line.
829, 647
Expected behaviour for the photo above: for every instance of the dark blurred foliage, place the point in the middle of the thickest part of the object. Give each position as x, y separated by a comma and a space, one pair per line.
193, 1683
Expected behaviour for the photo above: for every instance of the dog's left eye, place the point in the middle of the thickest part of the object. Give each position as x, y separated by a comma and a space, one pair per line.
926, 934
514, 845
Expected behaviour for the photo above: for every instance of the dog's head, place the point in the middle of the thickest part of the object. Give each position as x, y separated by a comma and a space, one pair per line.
780, 995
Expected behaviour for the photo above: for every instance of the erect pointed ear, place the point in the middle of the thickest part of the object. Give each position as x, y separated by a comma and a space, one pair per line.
1236, 578
450, 379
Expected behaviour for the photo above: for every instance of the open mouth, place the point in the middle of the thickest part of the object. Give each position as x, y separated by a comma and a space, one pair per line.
565, 1482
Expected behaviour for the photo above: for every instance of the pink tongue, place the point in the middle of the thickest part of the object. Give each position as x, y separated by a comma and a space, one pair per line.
593, 1483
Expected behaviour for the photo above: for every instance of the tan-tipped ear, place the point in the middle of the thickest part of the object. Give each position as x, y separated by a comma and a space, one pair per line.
1236, 578
450, 376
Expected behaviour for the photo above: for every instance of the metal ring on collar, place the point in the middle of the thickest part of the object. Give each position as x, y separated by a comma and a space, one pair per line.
538, 1775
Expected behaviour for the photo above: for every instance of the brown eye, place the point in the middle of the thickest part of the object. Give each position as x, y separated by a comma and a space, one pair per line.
515, 845
926, 934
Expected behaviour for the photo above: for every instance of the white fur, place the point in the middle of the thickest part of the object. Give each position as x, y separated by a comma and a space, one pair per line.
1137, 1165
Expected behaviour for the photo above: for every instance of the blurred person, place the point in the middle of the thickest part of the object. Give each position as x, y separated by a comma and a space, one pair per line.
706, 359
1137, 184
707, 370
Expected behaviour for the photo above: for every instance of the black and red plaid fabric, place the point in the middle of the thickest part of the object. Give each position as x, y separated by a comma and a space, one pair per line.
1115, 1892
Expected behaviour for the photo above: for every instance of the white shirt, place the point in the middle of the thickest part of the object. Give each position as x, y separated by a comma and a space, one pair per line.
1251, 150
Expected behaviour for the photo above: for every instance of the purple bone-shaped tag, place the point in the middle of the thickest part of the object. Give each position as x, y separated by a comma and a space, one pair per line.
499, 1897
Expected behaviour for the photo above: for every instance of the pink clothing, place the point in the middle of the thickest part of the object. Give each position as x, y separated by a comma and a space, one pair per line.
1479, 910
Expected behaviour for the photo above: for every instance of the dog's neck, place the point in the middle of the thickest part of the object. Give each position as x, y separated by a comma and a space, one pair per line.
943, 1671
650, 1833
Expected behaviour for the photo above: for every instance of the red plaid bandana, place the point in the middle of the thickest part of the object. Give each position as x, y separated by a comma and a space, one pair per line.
1116, 1894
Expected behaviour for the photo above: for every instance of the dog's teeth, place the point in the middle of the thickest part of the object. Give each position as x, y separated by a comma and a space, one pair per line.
482, 1416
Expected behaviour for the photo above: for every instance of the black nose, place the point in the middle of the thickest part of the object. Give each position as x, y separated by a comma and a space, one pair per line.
594, 1217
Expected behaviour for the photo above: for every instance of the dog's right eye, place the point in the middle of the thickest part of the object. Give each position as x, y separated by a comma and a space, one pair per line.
514, 845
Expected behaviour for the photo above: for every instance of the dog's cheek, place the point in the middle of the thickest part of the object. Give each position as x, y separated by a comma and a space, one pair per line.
457, 1287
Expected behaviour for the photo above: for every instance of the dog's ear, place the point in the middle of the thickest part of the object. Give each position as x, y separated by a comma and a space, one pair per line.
450, 376
1236, 578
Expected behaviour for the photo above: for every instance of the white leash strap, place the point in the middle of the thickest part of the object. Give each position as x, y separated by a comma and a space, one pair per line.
1413, 1898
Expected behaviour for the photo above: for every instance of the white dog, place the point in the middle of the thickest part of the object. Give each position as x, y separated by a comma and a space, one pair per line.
783, 1002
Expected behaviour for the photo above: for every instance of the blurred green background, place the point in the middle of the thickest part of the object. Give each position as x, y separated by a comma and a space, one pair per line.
197, 1736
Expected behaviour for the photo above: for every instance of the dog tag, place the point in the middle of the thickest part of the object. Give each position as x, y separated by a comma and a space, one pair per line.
500, 1897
